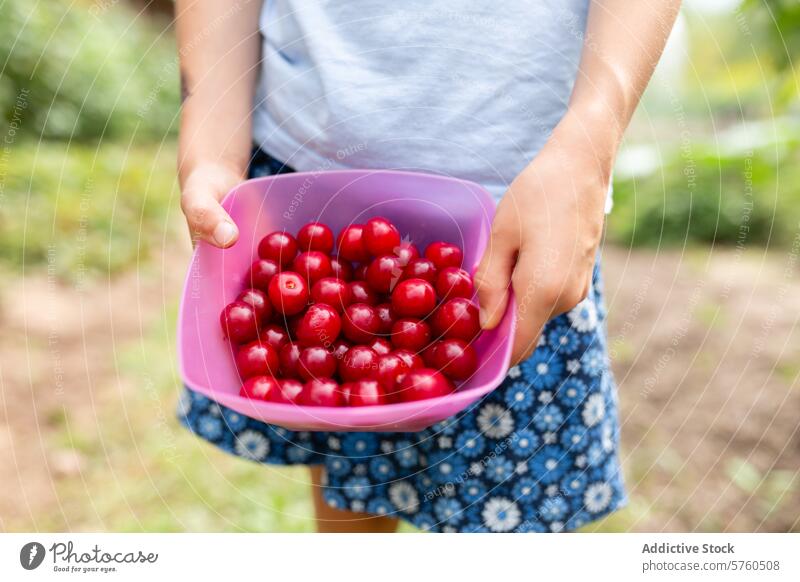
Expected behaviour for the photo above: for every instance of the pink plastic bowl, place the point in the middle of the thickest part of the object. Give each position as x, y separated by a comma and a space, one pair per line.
424, 207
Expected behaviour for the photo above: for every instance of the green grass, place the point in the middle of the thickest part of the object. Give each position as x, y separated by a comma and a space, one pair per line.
86, 210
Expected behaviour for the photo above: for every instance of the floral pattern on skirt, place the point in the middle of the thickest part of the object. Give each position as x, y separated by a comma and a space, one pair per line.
539, 453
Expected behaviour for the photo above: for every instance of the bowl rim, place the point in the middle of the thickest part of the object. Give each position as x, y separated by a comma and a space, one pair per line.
417, 407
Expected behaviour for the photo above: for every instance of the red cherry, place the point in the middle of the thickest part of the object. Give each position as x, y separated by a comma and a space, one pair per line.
289, 358
383, 273
320, 325
390, 367
331, 291
411, 334
312, 265
288, 293
430, 356
410, 359
444, 255
316, 362
345, 390
280, 247
413, 298
292, 323
420, 269
422, 384
351, 244
261, 273
381, 237
341, 269
457, 319
454, 282
456, 358
366, 393
264, 388
360, 273
360, 292
292, 390
322, 392
274, 335
339, 349
257, 359
406, 252
239, 322
315, 236
258, 300
359, 362
360, 323
384, 313
381, 346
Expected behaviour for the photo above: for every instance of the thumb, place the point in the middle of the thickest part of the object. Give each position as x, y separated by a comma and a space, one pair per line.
205, 216
493, 278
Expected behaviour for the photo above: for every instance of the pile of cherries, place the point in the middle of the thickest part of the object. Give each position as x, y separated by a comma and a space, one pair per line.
314, 330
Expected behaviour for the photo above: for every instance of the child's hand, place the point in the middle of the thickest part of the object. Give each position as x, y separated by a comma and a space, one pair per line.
201, 191
545, 235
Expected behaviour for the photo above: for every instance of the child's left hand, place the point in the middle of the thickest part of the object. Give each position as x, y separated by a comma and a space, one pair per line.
546, 232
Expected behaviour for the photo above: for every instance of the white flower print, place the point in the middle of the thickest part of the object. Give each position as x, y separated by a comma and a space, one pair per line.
583, 317
501, 514
597, 497
580, 461
334, 443
593, 410
521, 468
357, 506
252, 445
551, 490
549, 438
404, 497
607, 437
573, 366
476, 469
556, 526
387, 447
214, 409
545, 397
495, 421
445, 442
360, 469
514, 372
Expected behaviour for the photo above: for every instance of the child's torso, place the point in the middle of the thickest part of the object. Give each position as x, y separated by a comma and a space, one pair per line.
465, 88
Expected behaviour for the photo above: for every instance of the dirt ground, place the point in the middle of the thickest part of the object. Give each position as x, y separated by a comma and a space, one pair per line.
705, 345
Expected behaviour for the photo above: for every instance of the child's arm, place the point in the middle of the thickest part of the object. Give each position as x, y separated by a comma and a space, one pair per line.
549, 224
219, 48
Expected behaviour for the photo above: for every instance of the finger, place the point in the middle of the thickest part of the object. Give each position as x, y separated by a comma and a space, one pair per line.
493, 278
207, 219
533, 310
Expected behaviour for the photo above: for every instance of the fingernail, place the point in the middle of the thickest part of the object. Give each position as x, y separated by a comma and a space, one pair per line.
483, 318
224, 233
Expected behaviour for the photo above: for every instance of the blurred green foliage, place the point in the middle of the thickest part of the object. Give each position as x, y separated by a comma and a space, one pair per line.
86, 70
713, 194
85, 210
775, 28
778, 23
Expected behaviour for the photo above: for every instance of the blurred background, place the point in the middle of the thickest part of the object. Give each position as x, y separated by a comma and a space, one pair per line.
701, 267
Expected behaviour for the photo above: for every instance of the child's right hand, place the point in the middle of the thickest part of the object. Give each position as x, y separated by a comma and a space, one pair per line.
202, 188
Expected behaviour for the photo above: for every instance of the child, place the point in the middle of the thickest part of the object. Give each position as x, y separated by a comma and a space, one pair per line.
529, 98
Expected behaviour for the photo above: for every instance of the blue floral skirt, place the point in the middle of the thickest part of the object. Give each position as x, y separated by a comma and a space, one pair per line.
539, 453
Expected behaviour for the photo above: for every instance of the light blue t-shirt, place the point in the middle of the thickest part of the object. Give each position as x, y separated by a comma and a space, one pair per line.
466, 88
